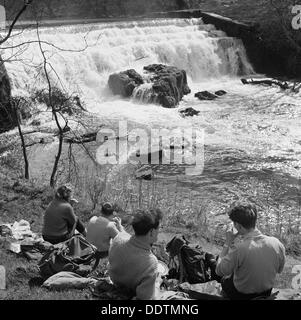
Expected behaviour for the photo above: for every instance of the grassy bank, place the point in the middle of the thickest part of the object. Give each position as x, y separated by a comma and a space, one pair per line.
184, 212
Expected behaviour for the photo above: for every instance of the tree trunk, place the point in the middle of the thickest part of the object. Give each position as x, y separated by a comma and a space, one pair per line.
57, 159
26, 163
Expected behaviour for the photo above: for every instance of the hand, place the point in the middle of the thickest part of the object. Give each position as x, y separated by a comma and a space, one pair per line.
117, 222
73, 202
230, 236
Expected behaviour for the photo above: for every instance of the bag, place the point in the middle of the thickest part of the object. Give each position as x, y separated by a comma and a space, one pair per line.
72, 255
193, 265
195, 268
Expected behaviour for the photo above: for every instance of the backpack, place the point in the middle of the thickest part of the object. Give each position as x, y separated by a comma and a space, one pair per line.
72, 255
193, 265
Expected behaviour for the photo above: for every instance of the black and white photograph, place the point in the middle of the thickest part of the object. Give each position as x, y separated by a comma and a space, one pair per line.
150, 151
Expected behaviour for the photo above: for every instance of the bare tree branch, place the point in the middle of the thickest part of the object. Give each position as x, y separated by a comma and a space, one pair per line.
11, 27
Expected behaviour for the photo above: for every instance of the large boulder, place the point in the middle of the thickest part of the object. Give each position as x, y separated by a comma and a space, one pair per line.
7, 118
125, 82
169, 84
165, 85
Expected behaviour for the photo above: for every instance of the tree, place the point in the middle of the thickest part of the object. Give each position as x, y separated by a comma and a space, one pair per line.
279, 37
61, 104
16, 104
16, 18
5, 106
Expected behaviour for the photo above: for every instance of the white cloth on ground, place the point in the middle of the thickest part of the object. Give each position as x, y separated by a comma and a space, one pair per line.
68, 280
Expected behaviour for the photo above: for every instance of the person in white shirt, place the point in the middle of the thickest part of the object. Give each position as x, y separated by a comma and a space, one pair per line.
249, 267
101, 230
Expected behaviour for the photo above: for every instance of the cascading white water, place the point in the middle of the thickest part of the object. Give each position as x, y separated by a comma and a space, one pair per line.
247, 118
189, 44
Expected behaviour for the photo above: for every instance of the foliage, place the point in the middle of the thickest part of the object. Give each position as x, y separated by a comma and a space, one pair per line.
62, 102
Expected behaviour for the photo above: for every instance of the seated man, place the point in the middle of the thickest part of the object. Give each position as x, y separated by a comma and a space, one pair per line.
132, 265
249, 268
60, 222
101, 230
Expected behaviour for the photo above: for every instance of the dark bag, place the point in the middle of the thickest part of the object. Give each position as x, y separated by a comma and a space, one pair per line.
72, 255
192, 263
196, 269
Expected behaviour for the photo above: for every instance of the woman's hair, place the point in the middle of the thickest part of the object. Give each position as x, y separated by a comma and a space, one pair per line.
107, 209
63, 191
144, 221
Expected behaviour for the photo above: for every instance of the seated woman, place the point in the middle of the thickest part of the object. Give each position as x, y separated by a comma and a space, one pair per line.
102, 229
60, 222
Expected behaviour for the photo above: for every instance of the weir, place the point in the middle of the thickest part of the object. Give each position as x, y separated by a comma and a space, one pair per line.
92, 52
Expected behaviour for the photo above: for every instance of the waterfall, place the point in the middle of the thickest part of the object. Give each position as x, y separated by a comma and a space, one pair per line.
92, 52
247, 118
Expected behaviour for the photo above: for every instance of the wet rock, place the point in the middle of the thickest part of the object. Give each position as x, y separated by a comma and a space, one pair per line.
125, 82
169, 84
220, 92
205, 95
189, 112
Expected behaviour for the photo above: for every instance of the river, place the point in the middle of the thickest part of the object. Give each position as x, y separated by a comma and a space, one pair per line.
252, 135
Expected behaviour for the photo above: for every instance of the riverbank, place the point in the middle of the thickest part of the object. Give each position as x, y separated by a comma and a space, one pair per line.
20, 200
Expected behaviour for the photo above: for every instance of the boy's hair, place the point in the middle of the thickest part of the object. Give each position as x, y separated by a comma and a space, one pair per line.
107, 209
244, 214
144, 221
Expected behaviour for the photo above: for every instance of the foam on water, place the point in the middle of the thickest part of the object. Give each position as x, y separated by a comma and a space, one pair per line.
261, 121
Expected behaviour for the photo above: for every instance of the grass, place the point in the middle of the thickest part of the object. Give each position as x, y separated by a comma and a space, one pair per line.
184, 213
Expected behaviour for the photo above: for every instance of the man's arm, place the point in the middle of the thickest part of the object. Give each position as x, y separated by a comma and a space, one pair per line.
80, 227
227, 262
70, 218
